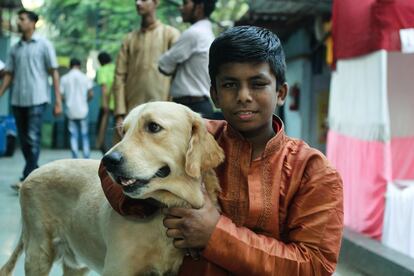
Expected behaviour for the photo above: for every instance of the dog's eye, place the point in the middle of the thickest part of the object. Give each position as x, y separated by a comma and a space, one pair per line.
154, 127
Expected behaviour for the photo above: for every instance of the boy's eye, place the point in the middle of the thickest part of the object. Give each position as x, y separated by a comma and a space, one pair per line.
154, 127
228, 85
259, 84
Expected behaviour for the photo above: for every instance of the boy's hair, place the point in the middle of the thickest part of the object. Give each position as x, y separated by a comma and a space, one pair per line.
209, 6
31, 15
104, 58
74, 62
247, 44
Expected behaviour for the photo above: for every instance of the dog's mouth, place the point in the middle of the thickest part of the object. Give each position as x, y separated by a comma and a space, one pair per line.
130, 185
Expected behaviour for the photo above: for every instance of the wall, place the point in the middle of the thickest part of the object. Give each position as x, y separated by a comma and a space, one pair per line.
299, 72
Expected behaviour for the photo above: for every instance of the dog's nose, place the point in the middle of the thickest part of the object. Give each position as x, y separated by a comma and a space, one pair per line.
112, 159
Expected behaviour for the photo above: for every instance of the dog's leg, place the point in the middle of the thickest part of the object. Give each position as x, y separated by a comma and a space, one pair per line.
39, 257
69, 271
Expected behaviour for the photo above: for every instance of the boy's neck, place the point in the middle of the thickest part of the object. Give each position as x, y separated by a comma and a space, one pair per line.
259, 144
148, 20
28, 35
259, 141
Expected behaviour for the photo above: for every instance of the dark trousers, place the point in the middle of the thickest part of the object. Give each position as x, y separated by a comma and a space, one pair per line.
201, 105
29, 124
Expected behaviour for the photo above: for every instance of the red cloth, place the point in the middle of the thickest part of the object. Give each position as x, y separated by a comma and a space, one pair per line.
369, 25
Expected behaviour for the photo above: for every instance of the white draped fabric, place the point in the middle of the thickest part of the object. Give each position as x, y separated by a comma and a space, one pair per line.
372, 96
398, 230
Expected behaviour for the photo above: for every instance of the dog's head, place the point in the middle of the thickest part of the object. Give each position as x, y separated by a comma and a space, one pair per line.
164, 152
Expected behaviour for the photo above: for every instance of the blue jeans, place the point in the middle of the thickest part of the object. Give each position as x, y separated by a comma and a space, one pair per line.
29, 126
74, 126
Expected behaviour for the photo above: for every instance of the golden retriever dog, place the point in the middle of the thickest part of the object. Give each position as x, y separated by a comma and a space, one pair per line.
166, 155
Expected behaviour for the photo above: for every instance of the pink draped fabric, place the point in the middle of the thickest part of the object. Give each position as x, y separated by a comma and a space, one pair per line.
365, 168
402, 150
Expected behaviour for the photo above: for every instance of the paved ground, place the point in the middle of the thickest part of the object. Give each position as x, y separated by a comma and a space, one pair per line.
10, 170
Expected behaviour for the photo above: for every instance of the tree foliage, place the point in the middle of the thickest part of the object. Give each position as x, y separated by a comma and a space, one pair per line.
80, 26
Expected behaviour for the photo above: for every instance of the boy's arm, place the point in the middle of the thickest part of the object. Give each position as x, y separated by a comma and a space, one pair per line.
6, 83
58, 99
105, 97
313, 235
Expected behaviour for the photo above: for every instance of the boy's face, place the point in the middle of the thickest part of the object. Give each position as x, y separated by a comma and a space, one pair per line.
247, 96
145, 7
24, 24
187, 10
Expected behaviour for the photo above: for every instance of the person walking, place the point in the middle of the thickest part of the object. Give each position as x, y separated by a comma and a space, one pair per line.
29, 64
105, 77
76, 89
188, 58
137, 79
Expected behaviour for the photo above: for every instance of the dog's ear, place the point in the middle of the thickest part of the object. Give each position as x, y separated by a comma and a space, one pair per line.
203, 151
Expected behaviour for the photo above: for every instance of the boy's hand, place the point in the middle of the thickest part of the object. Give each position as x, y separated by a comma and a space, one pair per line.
191, 228
57, 109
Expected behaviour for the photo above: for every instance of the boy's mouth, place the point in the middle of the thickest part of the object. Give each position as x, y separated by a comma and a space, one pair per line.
245, 115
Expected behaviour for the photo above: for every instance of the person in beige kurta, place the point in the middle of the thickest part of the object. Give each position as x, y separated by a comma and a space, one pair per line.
137, 79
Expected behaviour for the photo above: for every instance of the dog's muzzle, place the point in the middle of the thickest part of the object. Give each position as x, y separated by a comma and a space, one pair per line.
132, 184
113, 163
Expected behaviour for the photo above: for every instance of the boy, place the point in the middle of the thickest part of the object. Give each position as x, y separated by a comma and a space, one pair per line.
137, 79
187, 59
105, 77
281, 201
76, 89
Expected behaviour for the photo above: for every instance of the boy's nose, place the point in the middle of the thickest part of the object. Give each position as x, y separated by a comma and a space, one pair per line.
244, 95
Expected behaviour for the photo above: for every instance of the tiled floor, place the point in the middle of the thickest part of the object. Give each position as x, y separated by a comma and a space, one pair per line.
10, 169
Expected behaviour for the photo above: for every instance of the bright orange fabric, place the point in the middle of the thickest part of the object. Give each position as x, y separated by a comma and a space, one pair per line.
282, 213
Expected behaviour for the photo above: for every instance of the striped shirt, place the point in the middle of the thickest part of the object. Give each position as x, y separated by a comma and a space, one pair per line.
29, 62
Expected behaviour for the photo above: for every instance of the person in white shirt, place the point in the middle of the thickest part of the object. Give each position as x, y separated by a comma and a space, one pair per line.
187, 59
29, 64
76, 90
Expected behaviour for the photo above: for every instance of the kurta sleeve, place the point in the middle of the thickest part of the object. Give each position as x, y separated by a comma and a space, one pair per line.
311, 239
121, 74
174, 35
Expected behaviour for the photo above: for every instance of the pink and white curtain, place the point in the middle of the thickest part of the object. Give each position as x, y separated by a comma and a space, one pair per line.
371, 138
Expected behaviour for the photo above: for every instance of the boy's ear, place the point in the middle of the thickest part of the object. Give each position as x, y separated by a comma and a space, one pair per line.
282, 93
213, 95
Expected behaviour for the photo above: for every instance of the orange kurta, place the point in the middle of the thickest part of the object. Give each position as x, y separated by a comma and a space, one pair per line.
282, 213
